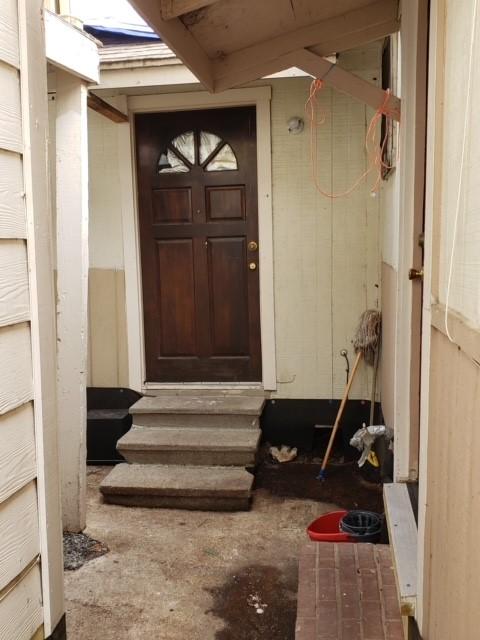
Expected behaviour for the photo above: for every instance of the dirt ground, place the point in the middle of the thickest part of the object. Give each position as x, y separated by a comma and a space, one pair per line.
173, 575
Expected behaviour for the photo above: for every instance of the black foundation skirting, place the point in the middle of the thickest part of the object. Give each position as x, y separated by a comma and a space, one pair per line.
60, 632
292, 422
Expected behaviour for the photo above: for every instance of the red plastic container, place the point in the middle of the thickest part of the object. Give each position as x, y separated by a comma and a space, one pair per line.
326, 528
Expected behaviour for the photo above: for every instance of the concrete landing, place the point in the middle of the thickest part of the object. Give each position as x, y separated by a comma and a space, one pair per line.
243, 405
234, 412
190, 446
179, 487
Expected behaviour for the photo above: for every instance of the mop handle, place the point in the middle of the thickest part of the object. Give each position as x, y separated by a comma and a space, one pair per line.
339, 415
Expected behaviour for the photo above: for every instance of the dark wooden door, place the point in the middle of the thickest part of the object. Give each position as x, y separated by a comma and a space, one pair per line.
197, 191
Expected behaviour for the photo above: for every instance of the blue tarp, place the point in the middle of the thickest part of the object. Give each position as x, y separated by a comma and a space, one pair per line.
121, 35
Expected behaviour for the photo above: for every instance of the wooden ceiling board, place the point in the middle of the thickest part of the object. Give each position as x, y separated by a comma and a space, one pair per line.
377, 19
232, 25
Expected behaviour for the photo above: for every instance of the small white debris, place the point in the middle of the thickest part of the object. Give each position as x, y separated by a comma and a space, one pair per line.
254, 601
284, 453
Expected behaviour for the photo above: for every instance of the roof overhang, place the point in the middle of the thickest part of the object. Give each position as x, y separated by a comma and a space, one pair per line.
228, 43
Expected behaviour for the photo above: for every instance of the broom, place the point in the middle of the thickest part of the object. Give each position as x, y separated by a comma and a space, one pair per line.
366, 344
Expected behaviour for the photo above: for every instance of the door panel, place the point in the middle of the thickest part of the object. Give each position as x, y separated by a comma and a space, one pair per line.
177, 297
171, 205
198, 219
229, 305
225, 203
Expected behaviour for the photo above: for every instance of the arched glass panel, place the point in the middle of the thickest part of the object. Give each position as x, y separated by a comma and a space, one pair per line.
208, 143
170, 163
224, 160
185, 143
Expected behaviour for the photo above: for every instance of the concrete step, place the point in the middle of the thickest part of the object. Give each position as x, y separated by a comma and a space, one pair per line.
184, 445
179, 487
222, 412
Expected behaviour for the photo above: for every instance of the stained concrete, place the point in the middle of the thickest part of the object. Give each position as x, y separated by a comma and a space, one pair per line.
179, 487
232, 447
173, 575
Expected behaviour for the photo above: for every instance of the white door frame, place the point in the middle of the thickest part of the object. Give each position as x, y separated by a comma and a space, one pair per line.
260, 98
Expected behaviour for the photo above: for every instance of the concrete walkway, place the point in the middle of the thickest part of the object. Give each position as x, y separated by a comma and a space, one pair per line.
178, 575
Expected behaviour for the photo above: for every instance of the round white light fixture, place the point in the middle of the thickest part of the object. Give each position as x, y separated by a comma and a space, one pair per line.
296, 125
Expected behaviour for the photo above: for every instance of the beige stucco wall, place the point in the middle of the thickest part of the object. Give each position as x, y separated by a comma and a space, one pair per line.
108, 359
326, 252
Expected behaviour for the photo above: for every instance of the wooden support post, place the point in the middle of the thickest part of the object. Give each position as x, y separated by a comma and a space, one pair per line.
72, 293
33, 78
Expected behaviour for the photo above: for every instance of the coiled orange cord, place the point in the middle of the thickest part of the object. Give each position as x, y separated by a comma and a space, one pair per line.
373, 149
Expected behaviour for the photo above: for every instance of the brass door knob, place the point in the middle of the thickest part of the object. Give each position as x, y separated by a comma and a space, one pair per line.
252, 246
252, 266
415, 274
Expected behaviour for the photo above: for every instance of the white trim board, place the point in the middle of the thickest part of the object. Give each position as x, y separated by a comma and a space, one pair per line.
71, 49
259, 97
158, 73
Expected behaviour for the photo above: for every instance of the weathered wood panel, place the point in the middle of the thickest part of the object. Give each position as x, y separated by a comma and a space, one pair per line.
14, 299
10, 110
17, 450
21, 611
16, 370
9, 30
12, 209
19, 537
452, 560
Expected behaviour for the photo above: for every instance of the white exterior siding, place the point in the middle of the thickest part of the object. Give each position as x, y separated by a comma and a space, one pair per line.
25, 591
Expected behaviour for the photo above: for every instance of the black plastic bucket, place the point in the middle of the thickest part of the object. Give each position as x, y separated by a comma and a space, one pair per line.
364, 526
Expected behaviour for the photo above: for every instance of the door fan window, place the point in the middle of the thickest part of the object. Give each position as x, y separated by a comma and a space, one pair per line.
207, 150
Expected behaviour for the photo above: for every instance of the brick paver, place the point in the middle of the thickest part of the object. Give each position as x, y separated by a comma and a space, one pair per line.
347, 592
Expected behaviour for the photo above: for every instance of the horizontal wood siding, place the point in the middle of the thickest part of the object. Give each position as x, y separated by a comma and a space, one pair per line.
21, 608
19, 538
9, 32
17, 450
12, 208
10, 109
14, 298
16, 385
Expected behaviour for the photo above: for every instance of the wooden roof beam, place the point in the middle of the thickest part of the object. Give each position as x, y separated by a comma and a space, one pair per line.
331, 73
105, 109
176, 8
349, 30
178, 38
346, 82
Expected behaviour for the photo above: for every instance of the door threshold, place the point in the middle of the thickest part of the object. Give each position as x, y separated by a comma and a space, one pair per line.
218, 387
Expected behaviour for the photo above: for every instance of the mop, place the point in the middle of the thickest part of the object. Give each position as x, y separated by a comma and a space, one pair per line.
366, 344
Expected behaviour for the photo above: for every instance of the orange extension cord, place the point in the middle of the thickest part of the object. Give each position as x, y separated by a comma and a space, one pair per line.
374, 150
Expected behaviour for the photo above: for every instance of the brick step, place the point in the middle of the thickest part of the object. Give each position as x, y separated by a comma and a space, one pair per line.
179, 487
205, 411
184, 445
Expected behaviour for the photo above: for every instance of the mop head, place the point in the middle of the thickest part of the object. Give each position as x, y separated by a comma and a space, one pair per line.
367, 335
